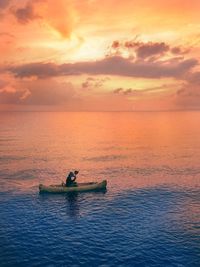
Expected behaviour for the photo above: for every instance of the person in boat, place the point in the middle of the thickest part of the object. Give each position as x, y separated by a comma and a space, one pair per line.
70, 181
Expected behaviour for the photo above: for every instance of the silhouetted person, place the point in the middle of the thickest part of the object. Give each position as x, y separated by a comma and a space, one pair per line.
70, 181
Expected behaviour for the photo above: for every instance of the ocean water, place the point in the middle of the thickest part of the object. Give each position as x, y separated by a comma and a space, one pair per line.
150, 213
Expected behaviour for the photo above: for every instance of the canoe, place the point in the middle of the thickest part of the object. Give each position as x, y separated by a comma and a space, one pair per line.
81, 187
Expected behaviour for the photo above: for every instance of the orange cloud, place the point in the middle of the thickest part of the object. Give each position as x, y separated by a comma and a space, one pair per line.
61, 16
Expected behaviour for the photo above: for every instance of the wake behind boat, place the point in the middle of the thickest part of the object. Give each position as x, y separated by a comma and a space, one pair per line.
80, 187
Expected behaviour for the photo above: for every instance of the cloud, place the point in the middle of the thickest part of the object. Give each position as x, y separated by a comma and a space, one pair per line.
4, 3
188, 96
40, 70
86, 84
92, 82
194, 78
118, 90
3, 8
50, 94
9, 95
115, 44
60, 17
25, 14
192, 85
108, 66
144, 50
39, 92
139, 92
121, 90
179, 50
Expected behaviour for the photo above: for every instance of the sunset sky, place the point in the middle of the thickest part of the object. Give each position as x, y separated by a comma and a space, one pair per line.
99, 55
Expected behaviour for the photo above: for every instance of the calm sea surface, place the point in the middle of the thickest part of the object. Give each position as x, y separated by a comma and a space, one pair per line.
150, 214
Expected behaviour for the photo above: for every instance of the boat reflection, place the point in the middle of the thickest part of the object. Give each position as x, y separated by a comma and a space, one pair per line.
76, 201
72, 204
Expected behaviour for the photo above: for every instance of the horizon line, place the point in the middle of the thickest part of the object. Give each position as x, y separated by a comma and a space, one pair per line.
106, 111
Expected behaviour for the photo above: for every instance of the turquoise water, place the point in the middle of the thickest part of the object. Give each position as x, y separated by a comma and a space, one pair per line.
150, 213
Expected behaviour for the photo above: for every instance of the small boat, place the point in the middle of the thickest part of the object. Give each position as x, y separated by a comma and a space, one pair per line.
80, 187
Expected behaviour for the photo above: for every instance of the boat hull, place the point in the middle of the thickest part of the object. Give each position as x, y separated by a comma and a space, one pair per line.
81, 187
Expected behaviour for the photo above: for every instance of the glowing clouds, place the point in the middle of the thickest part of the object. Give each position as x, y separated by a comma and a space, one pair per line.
61, 53
61, 16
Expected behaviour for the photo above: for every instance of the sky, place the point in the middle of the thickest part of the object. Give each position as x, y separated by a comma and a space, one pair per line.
99, 55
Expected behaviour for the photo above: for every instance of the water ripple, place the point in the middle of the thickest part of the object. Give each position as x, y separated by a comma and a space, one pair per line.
97, 229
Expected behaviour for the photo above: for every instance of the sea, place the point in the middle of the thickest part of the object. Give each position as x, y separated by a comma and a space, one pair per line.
149, 216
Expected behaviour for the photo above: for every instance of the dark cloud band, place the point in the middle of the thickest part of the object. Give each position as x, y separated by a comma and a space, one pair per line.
108, 66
